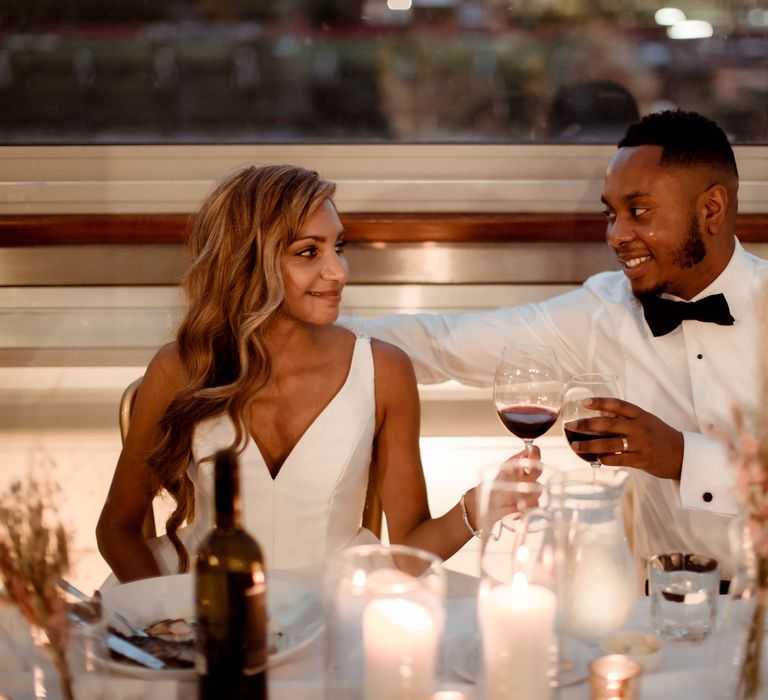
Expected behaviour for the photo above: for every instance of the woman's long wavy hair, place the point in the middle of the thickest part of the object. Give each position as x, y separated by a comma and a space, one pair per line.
235, 290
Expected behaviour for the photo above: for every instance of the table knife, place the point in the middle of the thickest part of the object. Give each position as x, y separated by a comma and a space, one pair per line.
124, 647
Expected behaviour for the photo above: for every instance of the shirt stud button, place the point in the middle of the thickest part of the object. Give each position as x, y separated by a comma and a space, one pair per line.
707, 497
699, 356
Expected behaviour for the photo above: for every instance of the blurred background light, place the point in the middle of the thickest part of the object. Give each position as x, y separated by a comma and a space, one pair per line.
758, 18
690, 29
667, 16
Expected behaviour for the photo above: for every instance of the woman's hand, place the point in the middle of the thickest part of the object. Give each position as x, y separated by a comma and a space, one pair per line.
519, 469
526, 466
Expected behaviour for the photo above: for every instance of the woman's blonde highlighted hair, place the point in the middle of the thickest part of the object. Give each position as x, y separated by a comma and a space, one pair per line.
235, 290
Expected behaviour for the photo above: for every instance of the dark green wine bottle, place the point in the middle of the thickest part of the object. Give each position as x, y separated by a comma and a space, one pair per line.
231, 596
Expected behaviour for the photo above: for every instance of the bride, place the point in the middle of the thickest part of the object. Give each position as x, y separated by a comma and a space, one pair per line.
259, 364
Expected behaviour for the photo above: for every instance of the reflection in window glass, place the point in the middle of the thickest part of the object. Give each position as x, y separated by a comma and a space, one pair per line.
402, 71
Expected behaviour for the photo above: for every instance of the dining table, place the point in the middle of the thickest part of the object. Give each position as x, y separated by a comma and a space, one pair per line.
687, 669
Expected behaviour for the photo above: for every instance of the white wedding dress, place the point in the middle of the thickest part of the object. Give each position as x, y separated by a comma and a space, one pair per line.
313, 507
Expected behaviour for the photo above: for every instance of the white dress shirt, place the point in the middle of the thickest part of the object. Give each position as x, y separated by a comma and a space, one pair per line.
689, 378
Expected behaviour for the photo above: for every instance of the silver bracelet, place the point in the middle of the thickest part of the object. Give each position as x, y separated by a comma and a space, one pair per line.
465, 517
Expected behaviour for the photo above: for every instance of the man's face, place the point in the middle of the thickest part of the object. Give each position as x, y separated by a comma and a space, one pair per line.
654, 226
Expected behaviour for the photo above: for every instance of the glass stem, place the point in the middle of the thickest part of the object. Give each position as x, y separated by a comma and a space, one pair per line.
527, 454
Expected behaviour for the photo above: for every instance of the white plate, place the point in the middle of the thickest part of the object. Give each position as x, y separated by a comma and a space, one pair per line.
297, 612
465, 658
575, 657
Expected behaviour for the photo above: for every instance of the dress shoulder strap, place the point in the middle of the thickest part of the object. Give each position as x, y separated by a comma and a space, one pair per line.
355, 324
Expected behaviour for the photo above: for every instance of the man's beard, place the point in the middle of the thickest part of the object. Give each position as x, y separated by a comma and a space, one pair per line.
691, 252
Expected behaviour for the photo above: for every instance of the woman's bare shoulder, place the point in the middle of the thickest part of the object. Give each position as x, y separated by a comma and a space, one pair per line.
397, 395
391, 360
166, 369
334, 333
162, 382
337, 341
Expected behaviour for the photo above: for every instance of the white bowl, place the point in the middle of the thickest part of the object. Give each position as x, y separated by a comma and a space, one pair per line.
643, 647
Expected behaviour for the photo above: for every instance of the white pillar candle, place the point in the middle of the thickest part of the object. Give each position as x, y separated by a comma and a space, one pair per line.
517, 626
401, 642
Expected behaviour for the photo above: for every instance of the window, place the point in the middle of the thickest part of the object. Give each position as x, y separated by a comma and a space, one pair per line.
374, 71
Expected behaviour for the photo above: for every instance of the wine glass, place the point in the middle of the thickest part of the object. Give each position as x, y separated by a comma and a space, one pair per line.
527, 391
579, 388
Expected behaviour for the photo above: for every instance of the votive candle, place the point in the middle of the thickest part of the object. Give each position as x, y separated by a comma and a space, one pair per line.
614, 677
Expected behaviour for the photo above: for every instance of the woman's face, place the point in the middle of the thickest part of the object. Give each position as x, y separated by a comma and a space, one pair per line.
314, 268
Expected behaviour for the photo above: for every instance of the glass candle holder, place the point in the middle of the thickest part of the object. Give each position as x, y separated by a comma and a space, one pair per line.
384, 623
516, 603
614, 677
684, 590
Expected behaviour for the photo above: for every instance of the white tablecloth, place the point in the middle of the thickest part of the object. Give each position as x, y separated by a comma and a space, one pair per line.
686, 669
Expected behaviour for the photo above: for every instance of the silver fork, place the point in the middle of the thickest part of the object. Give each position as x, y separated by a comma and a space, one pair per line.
69, 588
136, 631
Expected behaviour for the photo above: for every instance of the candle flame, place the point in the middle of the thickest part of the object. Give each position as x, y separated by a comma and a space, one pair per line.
359, 579
406, 614
519, 582
522, 555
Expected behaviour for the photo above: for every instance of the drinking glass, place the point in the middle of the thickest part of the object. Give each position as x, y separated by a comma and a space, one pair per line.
684, 591
527, 391
579, 388
81, 670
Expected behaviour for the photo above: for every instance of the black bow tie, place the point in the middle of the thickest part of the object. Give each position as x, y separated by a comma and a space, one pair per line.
664, 315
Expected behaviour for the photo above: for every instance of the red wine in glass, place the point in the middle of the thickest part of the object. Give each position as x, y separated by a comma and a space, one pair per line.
527, 421
527, 391
577, 436
579, 388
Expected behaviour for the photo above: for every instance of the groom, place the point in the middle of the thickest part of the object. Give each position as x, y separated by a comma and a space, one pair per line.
670, 197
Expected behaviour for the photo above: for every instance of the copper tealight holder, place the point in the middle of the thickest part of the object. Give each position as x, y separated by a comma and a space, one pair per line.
614, 677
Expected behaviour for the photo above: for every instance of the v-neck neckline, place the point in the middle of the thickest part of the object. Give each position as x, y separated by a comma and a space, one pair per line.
254, 440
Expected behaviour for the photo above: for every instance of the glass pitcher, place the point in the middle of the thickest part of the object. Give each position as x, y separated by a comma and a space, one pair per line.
596, 578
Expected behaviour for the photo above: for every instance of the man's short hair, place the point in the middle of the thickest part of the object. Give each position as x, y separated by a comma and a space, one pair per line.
687, 138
